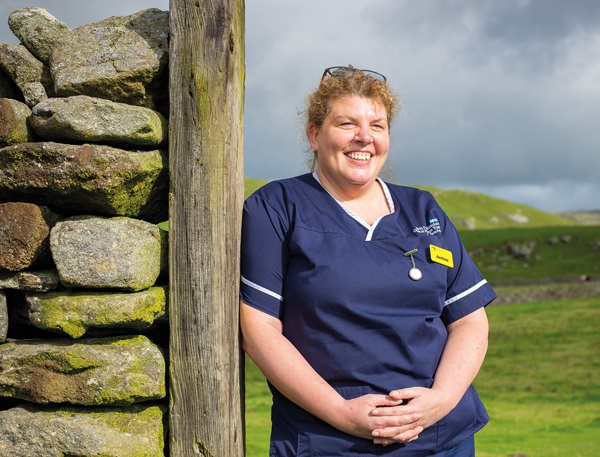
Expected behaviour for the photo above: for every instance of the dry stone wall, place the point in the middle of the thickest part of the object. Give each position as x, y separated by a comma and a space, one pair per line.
83, 283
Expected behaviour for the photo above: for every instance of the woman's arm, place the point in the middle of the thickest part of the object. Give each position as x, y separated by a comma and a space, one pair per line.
461, 360
292, 375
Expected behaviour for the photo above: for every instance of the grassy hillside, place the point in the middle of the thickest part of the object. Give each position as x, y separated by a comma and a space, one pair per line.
540, 380
474, 211
582, 217
250, 185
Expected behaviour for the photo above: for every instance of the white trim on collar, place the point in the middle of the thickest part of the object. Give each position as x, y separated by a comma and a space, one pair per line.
370, 228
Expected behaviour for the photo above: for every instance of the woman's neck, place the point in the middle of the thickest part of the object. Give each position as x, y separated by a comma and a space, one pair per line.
368, 202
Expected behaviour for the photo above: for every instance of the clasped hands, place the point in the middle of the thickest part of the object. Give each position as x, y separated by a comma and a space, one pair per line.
395, 418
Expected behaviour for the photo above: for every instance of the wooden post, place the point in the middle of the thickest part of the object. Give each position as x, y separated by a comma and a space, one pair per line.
206, 167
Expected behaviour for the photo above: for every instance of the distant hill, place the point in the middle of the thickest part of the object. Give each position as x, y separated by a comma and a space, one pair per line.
473, 211
582, 217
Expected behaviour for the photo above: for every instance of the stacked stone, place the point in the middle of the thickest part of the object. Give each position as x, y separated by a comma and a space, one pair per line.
83, 184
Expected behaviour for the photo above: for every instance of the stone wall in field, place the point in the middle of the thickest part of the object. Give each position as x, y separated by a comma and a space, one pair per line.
83, 275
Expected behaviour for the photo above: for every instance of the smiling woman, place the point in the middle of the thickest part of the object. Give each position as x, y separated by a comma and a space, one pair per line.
351, 148
349, 82
363, 356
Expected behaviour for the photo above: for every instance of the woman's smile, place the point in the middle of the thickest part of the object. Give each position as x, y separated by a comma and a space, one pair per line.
361, 156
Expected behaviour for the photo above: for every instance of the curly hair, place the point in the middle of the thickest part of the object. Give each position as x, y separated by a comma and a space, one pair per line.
348, 84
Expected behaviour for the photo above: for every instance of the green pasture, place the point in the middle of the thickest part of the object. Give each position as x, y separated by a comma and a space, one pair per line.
559, 252
540, 383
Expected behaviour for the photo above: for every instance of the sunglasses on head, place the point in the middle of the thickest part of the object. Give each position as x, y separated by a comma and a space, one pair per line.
344, 71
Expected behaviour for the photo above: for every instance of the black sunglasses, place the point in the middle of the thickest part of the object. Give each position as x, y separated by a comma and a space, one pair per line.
343, 71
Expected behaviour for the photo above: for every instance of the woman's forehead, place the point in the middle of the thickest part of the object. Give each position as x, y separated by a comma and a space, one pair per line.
354, 103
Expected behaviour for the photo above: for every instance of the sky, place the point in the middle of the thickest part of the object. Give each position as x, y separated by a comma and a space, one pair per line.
499, 97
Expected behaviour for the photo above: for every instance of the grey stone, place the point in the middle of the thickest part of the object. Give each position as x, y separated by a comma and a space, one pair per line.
122, 58
73, 313
27, 72
34, 93
100, 253
24, 235
38, 31
14, 122
51, 431
33, 281
3, 317
86, 179
520, 250
95, 371
94, 120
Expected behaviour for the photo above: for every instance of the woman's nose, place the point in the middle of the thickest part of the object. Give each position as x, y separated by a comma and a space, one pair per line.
363, 135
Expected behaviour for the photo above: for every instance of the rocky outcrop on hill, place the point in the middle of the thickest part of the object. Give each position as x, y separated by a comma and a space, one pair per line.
536, 292
83, 182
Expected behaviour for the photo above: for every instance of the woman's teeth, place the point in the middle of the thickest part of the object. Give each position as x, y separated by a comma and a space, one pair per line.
359, 155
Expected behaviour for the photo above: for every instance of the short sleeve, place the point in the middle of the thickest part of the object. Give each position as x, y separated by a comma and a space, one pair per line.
467, 289
264, 256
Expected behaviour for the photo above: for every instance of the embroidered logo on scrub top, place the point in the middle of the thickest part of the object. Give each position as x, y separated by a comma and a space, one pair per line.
431, 229
441, 256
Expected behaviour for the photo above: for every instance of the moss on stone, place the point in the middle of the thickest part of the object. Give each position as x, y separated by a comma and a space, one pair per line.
75, 312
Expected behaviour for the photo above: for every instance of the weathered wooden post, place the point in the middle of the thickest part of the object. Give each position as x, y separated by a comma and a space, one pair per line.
206, 167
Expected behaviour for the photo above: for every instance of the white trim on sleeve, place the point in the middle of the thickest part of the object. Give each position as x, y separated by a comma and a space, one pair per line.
465, 293
262, 289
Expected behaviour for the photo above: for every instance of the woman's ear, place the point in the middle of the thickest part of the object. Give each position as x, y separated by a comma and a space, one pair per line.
312, 132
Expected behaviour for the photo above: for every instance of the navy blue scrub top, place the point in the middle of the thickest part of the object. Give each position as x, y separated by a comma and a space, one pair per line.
342, 291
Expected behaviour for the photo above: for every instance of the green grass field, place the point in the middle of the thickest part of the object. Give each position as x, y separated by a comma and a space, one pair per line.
541, 380
559, 253
540, 383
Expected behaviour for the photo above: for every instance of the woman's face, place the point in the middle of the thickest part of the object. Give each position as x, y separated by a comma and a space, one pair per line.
352, 144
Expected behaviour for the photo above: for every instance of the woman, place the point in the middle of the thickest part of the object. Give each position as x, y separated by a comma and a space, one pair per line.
359, 302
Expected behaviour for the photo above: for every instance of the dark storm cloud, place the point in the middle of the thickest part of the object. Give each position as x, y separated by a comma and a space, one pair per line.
499, 96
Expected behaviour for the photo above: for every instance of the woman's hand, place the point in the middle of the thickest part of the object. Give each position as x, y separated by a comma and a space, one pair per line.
462, 357
426, 406
359, 419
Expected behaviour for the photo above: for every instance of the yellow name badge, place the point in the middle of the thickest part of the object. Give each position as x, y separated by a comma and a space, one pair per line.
441, 256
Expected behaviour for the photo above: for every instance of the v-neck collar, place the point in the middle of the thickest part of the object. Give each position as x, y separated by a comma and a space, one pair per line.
370, 228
